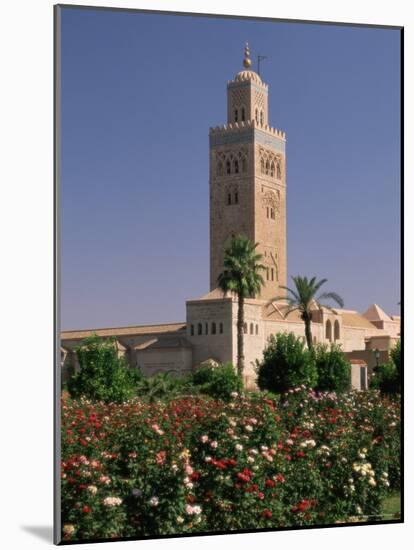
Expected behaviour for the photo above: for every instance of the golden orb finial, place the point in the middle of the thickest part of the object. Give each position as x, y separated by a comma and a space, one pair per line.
247, 61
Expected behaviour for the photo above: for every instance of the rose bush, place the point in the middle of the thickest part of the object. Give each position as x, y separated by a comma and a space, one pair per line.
201, 465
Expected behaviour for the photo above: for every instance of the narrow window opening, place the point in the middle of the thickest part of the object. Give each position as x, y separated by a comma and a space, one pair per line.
236, 115
228, 167
200, 329
221, 328
243, 114
236, 198
192, 330
213, 328
229, 198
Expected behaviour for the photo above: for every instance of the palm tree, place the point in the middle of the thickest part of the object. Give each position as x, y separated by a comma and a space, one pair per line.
303, 297
241, 275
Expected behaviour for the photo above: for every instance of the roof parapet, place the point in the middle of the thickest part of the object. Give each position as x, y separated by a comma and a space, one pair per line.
239, 126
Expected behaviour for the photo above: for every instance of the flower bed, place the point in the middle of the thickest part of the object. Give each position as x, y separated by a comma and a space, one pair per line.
199, 465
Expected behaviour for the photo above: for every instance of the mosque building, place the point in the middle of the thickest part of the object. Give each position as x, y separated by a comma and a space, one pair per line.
248, 197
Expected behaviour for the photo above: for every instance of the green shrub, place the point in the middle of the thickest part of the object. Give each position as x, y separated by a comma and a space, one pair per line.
387, 377
163, 385
219, 382
334, 371
103, 376
396, 356
286, 364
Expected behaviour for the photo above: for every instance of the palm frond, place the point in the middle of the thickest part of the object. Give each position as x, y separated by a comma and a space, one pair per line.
332, 296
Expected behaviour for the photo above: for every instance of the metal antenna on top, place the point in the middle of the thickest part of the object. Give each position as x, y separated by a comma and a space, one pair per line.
259, 59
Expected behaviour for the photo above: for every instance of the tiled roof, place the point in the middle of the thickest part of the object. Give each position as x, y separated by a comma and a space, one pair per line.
162, 342
123, 331
215, 294
375, 313
356, 320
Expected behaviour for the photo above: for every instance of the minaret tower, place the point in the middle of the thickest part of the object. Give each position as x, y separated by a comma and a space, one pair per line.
248, 180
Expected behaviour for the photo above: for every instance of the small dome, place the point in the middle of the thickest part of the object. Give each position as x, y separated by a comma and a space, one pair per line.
248, 75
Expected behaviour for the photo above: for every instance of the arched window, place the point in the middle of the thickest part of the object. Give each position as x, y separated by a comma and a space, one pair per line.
220, 168
228, 167
199, 329
236, 198
221, 328
206, 328
229, 198
213, 328
257, 330
278, 171
244, 165
251, 328
243, 114
272, 169
337, 334
261, 118
236, 115
267, 273
257, 116
267, 168
192, 330
328, 331
267, 211
273, 273
272, 214
245, 328
262, 166
236, 166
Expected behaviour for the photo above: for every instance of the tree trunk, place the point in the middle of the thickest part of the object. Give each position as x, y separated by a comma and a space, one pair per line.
240, 336
308, 332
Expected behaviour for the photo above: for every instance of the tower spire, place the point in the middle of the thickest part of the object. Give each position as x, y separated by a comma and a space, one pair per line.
247, 61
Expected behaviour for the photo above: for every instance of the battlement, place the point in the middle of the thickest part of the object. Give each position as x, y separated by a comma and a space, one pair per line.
234, 127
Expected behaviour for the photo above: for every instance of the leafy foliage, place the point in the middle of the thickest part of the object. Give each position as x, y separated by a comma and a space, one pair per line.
286, 364
103, 375
334, 371
387, 377
241, 275
303, 297
219, 382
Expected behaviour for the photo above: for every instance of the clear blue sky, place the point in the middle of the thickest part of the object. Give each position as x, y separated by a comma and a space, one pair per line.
139, 93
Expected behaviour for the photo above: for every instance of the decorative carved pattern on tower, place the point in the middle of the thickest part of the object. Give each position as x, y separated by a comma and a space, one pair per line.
231, 162
270, 163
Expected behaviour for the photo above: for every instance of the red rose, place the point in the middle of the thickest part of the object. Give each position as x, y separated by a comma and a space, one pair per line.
267, 514
270, 483
86, 509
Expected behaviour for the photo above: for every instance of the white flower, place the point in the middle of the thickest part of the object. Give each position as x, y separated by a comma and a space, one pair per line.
248, 428
92, 489
239, 447
204, 438
154, 501
180, 519
372, 481
250, 459
214, 444
112, 501
68, 529
208, 459
234, 394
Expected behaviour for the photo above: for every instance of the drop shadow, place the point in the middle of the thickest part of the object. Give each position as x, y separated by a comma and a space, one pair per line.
43, 532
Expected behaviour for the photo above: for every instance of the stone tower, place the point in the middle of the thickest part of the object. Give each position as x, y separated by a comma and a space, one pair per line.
248, 180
